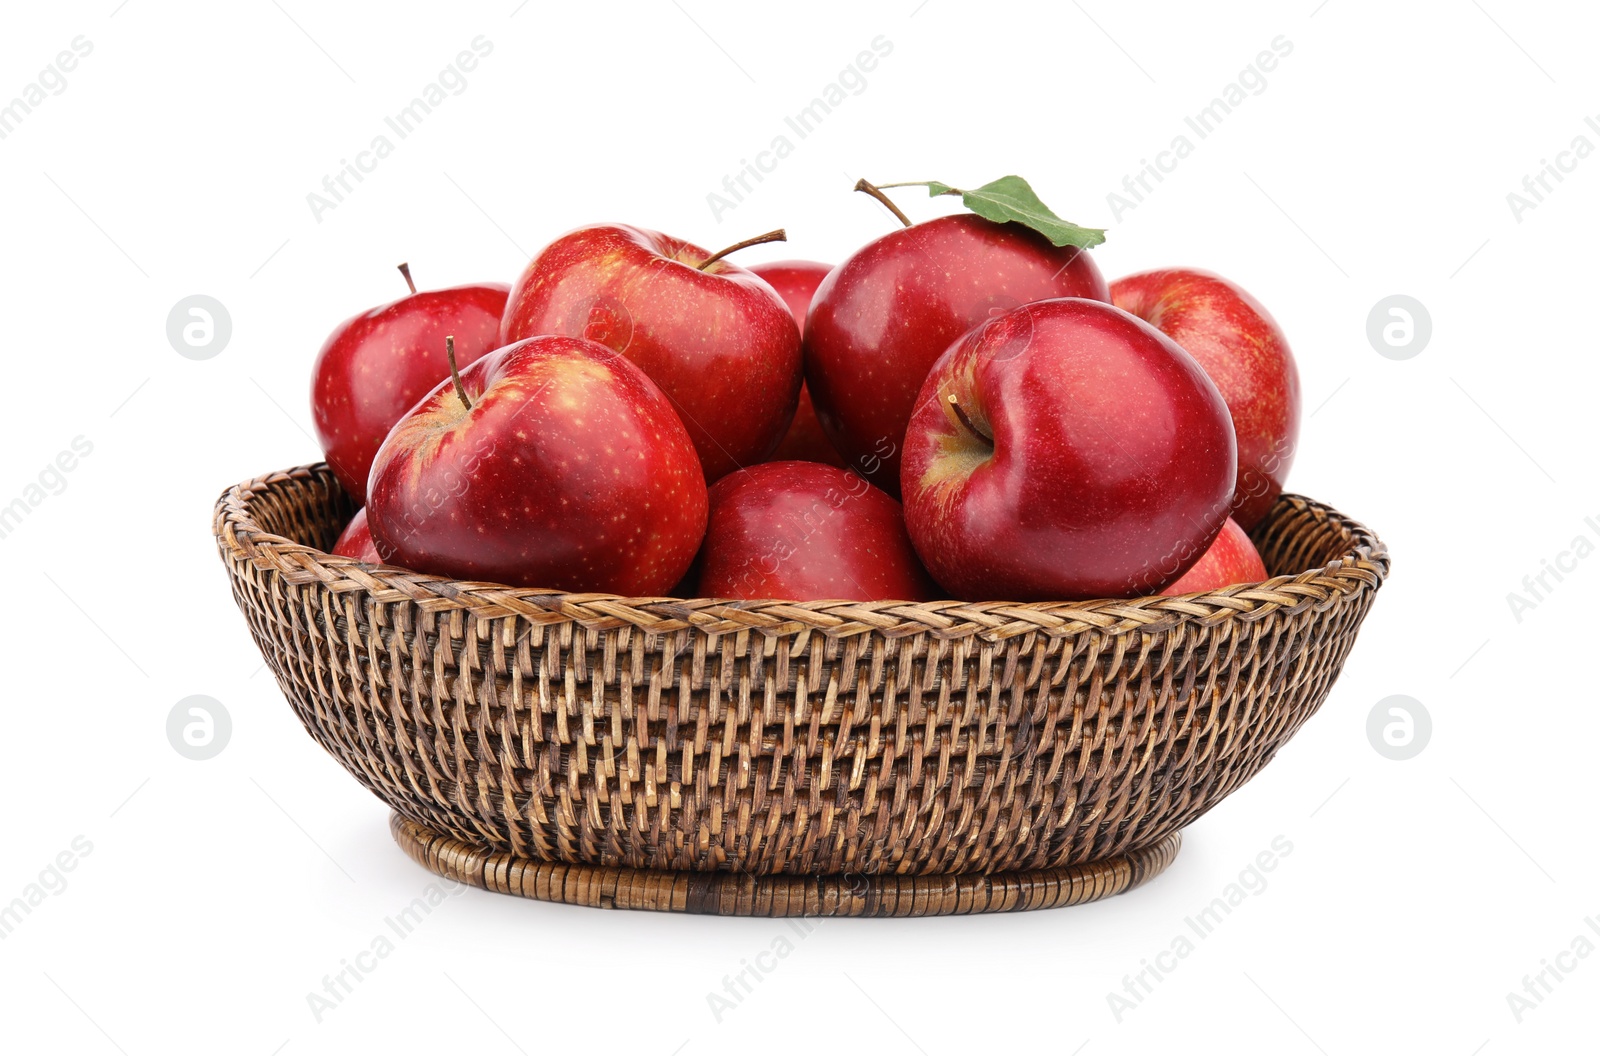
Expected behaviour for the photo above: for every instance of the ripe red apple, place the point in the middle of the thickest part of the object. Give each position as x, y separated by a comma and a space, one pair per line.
375, 366
1240, 346
1065, 450
796, 281
804, 531
882, 317
1231, 559
718, 340
356, 540
553, 462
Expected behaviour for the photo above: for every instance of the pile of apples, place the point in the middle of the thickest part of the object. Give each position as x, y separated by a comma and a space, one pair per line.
639, 417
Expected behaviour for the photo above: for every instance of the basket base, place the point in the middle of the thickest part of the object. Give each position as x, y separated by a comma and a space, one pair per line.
742, 895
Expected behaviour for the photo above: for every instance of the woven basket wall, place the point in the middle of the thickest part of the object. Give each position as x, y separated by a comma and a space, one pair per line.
774, 738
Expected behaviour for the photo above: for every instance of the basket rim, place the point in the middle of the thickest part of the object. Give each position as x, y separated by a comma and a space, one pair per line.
1362, 566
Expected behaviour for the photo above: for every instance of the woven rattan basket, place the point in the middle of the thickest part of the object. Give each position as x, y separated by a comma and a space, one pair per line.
772, 758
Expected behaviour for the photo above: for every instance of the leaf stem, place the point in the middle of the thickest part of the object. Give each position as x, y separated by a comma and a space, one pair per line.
771, 236
455, 375
866, 188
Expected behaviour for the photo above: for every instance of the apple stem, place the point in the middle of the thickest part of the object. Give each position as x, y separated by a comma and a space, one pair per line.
405, 269
866, 188
966, 422
771, 236
455, 375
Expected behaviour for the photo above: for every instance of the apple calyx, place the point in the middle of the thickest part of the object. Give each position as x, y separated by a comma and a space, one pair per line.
778, 235
455, 375
966, 420
405, 269
867, 188
1007, 200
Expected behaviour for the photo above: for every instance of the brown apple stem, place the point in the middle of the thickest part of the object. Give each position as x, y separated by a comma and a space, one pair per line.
405, 269
771, 236
966, 422
866, 188
455, 375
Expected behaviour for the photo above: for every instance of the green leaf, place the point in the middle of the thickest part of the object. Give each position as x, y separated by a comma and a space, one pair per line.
1010, 199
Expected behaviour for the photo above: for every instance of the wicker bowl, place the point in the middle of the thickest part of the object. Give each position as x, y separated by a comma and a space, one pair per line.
779, 758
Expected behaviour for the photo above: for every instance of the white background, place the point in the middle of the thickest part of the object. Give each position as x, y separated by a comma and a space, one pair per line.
1376, 161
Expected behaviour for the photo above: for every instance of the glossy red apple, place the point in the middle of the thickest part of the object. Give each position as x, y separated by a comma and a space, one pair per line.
883, 316
554, 463
356, 540
375, 366
804, 531
718, 340
1230, 559
796, 281
1243, 350
1065, 450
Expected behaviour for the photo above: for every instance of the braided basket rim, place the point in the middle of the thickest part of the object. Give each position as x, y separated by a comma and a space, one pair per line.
1364, 564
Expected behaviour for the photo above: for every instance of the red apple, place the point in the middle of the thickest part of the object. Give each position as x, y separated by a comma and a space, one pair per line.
1065, 450
1246, 354
804, 531
554, 462
1231, 559
796, 281
375, 366
356, 540
882, 317
718, 340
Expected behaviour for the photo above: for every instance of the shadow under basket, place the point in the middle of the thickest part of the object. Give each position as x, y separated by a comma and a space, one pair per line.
782, 758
